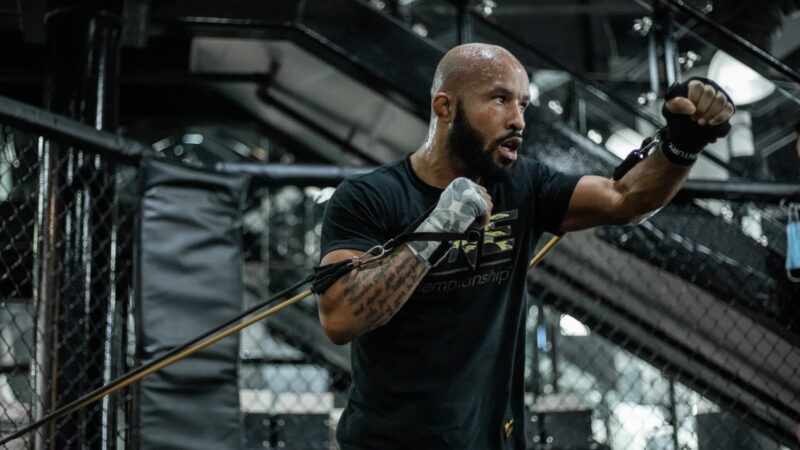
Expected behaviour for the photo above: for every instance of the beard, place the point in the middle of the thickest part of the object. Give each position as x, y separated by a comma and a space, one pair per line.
469, 146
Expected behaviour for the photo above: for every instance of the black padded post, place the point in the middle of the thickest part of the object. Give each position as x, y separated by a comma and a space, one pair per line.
190, 279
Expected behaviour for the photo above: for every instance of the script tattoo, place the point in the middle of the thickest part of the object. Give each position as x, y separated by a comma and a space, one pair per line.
377, 293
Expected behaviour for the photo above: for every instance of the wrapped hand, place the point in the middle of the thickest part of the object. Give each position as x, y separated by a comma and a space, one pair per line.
697, 113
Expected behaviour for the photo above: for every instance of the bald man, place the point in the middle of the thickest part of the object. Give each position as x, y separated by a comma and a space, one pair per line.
438, 347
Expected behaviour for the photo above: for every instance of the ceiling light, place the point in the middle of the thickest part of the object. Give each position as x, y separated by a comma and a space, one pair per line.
193, 138
533, 91
325, 194
487, 7
571, 326
742, 83
595, 136
162, 144
419, 29
555, 105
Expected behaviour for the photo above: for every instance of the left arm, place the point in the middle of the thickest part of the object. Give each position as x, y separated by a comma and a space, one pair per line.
648, 186
695, 116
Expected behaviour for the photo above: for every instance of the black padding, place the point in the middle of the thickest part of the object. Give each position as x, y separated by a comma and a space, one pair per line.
190, 280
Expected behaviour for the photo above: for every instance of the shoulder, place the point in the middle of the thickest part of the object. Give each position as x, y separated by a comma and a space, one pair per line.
528, 173
371, 185
378, 177
530, 167
359, 214
542, 181
536, 173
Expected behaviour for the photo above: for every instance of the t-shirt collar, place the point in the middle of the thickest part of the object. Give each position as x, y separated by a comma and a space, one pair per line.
417, 181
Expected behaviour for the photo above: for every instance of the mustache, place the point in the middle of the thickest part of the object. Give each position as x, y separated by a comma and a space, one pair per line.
511, 134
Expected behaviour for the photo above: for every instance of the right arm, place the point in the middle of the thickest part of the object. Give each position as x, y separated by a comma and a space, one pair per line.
365, 299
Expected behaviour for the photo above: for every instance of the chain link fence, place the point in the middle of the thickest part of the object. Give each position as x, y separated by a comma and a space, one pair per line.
678, 333
66, 242
293, 380
655, 337
18, 180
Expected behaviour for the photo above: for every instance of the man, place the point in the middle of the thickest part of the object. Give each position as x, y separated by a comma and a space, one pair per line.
438, 347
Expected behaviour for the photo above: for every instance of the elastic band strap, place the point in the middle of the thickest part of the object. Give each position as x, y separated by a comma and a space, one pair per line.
468, 235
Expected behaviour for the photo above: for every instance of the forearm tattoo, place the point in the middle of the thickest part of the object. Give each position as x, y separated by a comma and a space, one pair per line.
376, 294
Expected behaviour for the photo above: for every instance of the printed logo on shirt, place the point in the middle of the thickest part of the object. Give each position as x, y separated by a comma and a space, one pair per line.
445, 286
496, 239
508, 427
454, 271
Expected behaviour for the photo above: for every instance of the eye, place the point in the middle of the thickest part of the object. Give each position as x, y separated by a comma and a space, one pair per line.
501, 99
523, 106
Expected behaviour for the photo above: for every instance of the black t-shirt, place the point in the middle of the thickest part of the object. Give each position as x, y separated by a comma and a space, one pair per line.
447, 370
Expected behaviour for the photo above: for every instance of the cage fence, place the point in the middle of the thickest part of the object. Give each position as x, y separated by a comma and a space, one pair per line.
292, 379
678, 333
66, 240
706, 273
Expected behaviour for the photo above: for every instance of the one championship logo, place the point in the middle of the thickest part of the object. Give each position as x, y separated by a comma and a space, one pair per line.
454, 275
496, 239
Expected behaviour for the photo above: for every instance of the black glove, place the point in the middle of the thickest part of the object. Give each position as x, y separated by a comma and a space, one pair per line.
683, 139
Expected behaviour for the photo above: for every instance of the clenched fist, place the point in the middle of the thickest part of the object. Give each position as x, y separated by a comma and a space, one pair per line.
697, 113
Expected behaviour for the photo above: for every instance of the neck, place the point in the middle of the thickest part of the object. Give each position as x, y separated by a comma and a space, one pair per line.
434, 165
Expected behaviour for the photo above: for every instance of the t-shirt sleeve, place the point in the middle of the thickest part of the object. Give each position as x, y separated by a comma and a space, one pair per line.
552, 191
352, 219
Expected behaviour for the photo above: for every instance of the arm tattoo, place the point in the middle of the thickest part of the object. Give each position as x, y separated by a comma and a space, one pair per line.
376, 294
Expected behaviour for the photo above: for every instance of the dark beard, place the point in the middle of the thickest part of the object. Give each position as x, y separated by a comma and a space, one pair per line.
468, 145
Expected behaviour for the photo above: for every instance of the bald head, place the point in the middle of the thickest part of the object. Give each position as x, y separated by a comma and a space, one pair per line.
468, 65
478, 98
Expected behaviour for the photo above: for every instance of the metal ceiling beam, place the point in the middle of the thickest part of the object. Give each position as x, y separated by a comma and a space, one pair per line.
309, 25
599, 7
343, 143
16, 75
326, 175
68, 131
739, 45
741, 191
292, 174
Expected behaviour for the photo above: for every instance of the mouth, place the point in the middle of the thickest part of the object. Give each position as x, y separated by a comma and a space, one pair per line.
509, 148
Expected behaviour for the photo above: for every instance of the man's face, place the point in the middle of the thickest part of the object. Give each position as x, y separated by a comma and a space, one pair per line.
486, 132
470, 146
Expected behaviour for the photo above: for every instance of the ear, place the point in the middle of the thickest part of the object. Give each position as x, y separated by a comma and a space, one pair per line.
443, 107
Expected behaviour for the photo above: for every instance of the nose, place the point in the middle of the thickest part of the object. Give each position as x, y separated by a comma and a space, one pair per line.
516, 120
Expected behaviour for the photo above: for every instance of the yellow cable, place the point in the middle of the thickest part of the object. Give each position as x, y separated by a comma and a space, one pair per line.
103, 392
193, 349
547, 247
110, 389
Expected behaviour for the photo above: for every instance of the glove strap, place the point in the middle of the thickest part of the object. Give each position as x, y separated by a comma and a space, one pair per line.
673, 153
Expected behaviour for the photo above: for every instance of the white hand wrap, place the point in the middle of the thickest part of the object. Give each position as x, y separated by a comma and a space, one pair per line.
459, 205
